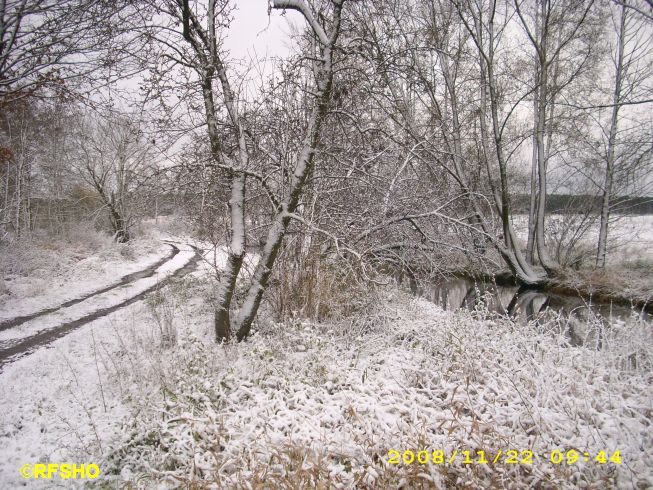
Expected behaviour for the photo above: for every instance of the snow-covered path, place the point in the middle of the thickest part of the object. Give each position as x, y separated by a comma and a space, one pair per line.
36, 330
146, 272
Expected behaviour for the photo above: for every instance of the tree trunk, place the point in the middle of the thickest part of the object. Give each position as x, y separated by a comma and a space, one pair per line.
530, 246
614, 121
278, 230
227, 283
120, 232
543, 254
532, 220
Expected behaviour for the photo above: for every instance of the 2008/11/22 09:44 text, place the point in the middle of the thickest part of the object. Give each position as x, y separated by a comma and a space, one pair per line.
512, 456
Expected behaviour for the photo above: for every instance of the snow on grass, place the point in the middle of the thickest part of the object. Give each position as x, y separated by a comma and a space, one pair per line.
147, 395
303, 405
43, 272
100, 301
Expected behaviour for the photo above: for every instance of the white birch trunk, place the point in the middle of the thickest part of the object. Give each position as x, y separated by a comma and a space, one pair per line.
532, 207
530, 245
614, 122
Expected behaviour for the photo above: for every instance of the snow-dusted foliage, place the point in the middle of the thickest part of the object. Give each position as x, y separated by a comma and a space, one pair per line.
305, 405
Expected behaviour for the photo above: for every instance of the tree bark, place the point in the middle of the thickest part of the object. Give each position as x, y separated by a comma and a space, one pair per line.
236, 253
530, 245
541, 121
614, 123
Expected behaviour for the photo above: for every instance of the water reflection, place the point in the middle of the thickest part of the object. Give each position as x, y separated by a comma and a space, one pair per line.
582, 320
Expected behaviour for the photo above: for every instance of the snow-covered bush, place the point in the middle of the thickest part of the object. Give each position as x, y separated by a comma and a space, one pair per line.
308, 285
24, 255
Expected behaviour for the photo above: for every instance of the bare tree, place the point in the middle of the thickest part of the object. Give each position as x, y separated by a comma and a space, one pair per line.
113, 156
50, 43
486, 28
21, 137
631, 71
421, 80
642, 7
196, 46
554, 27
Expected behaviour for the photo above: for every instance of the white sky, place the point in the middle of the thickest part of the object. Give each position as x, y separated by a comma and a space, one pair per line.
254, 34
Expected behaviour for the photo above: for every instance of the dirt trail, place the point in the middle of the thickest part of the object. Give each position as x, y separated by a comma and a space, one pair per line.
28, 345
149, 271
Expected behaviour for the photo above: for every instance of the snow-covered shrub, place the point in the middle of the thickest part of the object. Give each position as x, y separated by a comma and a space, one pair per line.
40, 251
87, 235
308, 285
127, 251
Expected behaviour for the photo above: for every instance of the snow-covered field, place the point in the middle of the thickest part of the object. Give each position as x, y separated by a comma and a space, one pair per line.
629, 237
147, 395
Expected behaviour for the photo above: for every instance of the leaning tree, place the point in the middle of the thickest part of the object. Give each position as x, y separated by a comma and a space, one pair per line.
186, 40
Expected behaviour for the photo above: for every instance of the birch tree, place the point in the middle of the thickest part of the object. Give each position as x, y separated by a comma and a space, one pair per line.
487, 27
632, 68
552, 28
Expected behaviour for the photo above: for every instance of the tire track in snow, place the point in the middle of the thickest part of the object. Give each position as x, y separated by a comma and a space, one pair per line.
30, 344
147, 272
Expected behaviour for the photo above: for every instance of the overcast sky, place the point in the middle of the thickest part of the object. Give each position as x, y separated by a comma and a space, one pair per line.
254, 34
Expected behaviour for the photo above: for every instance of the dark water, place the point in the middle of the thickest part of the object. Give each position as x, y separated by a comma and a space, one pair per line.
581, 318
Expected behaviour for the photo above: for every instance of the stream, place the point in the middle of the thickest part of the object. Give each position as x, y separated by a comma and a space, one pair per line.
583, 320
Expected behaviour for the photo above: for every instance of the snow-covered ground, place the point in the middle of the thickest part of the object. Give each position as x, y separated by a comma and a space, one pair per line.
38, 277
303, 402
49, 399
632, 239
629, 237
147, 395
